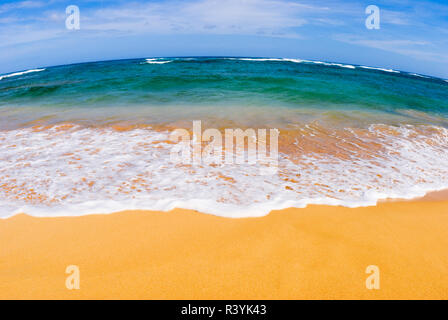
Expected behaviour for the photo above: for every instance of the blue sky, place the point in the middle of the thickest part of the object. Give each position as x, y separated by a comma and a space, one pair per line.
413, 35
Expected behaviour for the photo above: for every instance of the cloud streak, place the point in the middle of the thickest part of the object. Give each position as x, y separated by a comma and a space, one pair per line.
242, 17
418, 49
20, 5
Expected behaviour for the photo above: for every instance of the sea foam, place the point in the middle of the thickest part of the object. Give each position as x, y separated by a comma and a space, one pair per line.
296, 61
380, 69
20, 73
157, 61
62, 171
419, 75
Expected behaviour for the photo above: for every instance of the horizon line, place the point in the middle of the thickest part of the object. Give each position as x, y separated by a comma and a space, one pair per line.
251, 57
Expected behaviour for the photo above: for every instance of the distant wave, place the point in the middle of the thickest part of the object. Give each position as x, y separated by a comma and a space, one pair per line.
157, 61
296, 61
257, 59
20, 73
380, 69
418, 75
349, 66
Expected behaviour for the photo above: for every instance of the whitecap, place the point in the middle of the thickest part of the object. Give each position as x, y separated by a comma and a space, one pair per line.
380, 69
296, 61
418, 75
157, 61
20, 73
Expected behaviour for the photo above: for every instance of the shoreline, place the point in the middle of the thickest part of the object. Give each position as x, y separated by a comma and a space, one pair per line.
440, 195
319, 252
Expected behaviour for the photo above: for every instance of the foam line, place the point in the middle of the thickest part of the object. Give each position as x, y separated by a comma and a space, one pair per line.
20, 73
77, 171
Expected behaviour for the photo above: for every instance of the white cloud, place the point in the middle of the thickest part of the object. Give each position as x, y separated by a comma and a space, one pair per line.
419, 49
21, 5
275, 18
249, 17
396, 17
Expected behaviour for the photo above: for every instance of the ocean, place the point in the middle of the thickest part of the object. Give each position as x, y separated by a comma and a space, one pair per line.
94, 137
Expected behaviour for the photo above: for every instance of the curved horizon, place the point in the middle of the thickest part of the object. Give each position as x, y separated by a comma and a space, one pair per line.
334, 63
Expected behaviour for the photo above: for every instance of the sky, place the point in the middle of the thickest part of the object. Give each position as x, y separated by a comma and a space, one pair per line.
412, 35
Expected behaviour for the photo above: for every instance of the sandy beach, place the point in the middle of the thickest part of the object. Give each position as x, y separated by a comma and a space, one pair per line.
223, 150
320, 252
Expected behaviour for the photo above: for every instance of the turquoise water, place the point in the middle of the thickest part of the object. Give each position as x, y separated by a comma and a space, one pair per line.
94, 137
165, 89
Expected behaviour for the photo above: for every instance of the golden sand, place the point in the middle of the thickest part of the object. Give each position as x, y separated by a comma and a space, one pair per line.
320, 252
